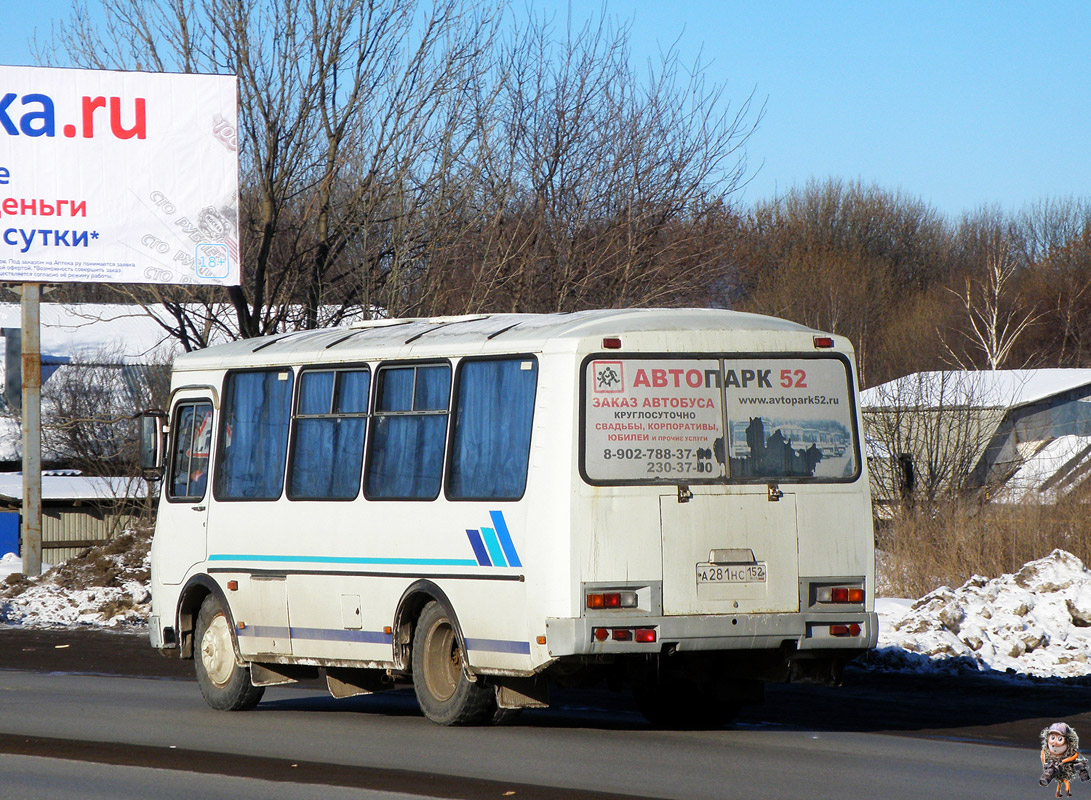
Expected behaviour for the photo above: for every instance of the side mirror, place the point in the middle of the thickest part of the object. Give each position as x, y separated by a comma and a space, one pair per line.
152, 442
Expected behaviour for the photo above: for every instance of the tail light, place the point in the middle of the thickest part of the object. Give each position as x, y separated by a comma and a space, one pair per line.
611, 600
852, 629
637, 635
839, 594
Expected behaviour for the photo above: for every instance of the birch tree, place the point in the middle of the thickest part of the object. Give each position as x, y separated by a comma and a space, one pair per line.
994, 322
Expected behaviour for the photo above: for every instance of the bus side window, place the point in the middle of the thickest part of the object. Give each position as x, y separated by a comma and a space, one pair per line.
490, 440
189, 460
408, 432
328, 436
254, 436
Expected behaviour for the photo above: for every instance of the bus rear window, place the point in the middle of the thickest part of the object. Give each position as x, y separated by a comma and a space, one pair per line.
790, 418
700, 420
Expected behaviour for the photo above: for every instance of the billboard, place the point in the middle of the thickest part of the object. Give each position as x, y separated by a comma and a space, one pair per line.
119, 177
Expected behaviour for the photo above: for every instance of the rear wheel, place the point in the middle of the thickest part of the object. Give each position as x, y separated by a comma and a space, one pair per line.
225, 685
445, 694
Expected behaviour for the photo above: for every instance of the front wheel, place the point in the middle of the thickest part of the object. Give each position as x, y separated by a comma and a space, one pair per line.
445, 694
225, 685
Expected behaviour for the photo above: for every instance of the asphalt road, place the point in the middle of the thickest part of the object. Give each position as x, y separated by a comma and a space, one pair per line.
26, 777
970, 707
103, 698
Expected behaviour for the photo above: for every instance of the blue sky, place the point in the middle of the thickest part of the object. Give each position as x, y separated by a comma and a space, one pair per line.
961, 104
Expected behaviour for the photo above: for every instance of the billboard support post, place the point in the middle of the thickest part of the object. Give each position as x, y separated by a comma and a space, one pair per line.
32, 430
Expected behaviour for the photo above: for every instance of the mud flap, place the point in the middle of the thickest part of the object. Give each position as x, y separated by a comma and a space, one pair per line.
521, 693
347, 682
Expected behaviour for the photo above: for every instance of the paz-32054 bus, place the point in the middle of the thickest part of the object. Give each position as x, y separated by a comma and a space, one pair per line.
485, 506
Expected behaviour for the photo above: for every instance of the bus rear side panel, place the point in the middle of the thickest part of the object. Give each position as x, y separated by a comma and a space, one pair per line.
724, 507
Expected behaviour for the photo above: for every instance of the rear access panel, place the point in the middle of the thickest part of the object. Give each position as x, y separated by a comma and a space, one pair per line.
726, 554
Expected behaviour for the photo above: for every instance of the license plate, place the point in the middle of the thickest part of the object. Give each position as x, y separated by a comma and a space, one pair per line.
731, 573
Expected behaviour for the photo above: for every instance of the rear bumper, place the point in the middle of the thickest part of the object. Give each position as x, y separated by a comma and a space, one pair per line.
809, 630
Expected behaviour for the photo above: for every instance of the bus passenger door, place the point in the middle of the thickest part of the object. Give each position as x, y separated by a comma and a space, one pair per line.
181, 526
730, 553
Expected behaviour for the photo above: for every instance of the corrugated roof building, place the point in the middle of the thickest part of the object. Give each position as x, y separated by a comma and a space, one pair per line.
1013, 434
77, 511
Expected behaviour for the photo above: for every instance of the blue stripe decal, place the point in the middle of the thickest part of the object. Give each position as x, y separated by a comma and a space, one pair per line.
495, 553
264, 632
370, 637
499, 646
479, 548
505, 538
414, 562
334, 635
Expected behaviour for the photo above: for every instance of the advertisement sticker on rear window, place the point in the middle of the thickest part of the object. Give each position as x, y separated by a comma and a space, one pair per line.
691, 420
649, 419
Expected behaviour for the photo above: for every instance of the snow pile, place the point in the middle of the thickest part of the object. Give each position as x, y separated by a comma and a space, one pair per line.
1036, 622
105, 586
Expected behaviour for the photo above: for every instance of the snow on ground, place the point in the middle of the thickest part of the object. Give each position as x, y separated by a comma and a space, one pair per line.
1035, 622
103, 587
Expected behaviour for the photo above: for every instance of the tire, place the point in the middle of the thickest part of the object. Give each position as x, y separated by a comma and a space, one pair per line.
225, 685
443, 692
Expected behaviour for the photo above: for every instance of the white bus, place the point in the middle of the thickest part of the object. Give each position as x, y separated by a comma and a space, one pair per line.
487, 506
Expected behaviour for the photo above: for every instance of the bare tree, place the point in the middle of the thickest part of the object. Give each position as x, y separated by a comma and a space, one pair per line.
616, 167
88, 420
587, 185
88, 424
843, 258
1057, 254
406, 158
346, 107
995, 322
938, 424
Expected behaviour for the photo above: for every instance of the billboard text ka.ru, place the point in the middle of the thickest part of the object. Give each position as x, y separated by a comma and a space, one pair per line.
36, 115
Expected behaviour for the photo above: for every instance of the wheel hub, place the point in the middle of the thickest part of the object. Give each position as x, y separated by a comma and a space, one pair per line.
217, 654
442, 661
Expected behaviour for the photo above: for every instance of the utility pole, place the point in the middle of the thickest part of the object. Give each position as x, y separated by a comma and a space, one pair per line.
32, 430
